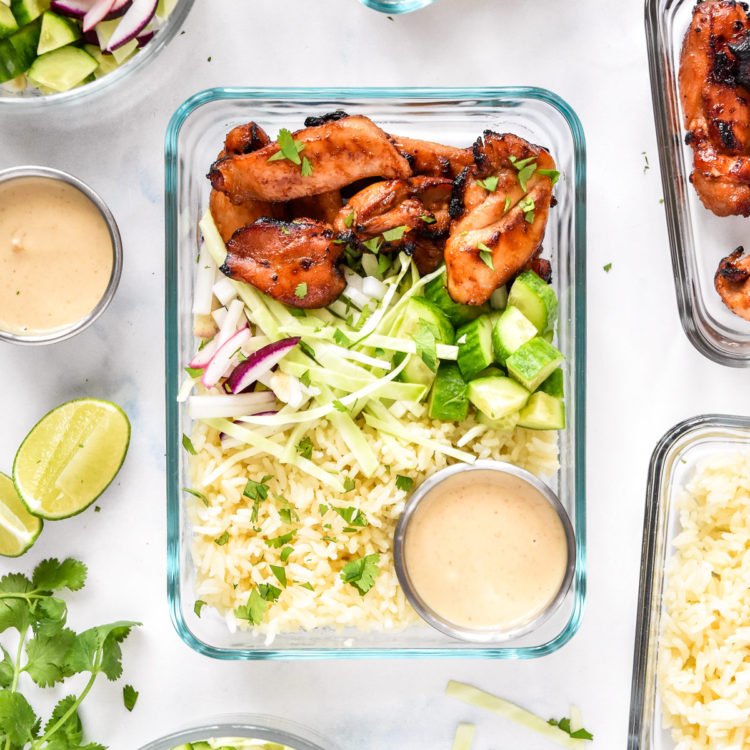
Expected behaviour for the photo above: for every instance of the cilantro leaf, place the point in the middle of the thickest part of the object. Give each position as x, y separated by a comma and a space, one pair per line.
564, 724
351, 515
490, 184
15, 613
307, 168
485, 254
427, 219
426, 343
194, 372
280, 541
507, 204
404, 483
98, 649
47, 654
553, 174
288, 148
129, 697
254, 610
373, 245
51, 575
287, 513
187, 444
608, 267
268, 592
305, 378
524, 174
341, 338
396, 233
305, 448
384, 263
361, 573
71, 729
7, 669
280, 574
339, 406
348, 484
198, 607
17, 718
197, 494
307, 349
349, 220
307, 585
285, 553
222, 539
300, 290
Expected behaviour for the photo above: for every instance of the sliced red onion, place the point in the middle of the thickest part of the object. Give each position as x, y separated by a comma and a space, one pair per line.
145, 37
259, 363
204, 355
74, 8
97, 12
91, 37
133, 22
223, 357
119, 9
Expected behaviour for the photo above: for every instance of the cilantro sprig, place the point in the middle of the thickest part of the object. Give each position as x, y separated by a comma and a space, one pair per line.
291, 149
361, 573
48, 652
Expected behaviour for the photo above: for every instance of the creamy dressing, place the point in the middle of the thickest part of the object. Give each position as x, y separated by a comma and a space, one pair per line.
485, 549
55, 255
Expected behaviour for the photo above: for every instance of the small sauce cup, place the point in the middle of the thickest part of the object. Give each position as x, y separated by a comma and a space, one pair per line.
531, 485
64, 331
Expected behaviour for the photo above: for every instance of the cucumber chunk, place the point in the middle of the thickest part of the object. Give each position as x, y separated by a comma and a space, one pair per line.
8, 23
533, 362
508, 423
554, 384
56, 32
475, 350
62, 69
496, 397
542, 412
535, 299
511, 330
436, 291
18, 51
449, 398
27, 11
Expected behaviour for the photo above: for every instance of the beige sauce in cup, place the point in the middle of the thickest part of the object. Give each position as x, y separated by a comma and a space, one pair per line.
56, 255
485, 549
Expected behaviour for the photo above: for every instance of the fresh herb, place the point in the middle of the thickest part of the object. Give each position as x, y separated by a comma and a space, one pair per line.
490, 184
348, 484
527, 206
197, 494
646, 166
305, 378
280, 574
257, 492
349, 220
607, 267
307, 349
384, 263
187, 444
254, 610
129, 697
307, 586
352, 516
327, 538
486, 255
285, 230
564, 724
341, 338
373, 245
524, 174
286, 513
379, 352
306, 168
404, 483
223, 539
391, 235
322, 509
553, 174
426, 341
198, 607
97, 509
339, 406
194, 372
53, 653
280, 541
300, 290
285, 553
361, 573
268, 592
387, 467
305, 448
208, 59
427, 219
288, 148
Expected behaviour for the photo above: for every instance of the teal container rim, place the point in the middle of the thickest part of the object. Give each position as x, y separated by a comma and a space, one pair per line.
171, 160
397, 8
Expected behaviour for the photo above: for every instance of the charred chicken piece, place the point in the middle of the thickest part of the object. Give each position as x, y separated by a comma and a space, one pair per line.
714, 84
323, 207
293, 262
244, 139
417, 205
732, 282
497, 232
338, 151
434, 159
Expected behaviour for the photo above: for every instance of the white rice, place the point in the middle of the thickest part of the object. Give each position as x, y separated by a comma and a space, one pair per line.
226, 574
704, 650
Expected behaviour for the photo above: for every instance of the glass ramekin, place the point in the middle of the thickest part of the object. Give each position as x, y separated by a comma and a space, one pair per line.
245, 726
14, 173
480, 635
26, 101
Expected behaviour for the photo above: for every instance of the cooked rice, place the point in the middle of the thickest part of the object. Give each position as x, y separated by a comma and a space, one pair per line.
227, 573
704, 651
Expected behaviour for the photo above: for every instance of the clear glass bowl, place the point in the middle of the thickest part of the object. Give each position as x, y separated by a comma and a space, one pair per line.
455, 116
396, 6
672, 462
698, 239
245, 726
30, 101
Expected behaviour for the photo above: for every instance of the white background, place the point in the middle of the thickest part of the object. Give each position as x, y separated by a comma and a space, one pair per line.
643, 374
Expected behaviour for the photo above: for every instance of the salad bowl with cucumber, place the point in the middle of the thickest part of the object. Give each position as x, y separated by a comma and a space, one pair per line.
57, 50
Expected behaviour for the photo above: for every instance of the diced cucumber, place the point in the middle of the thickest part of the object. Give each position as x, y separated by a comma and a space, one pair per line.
188, 746
62, 69
533, 362
507, 423
496, 396
542, 412
535, 299
499, 298
449, 399
56, 32
164, 8
436, 291
26, 11
18, 51
8, 23
491, 371
201, 746
548, 336
475, 346
554, 384
511, 330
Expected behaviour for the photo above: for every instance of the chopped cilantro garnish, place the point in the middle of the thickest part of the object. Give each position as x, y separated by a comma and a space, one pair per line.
341, 338
305, 378
349, 220
286, 513
285, 553
525, 173
268, 592
339, 406
307, 349
307, 586
280, 574
564, 724
306, 168
257, 490
222, 540
327, 538
351, 515
361, 573
301, 290
194, 372
197, 494
348, 484
187, 444
322, 509
394, 234
427, 219
280, 541
426, 343
198, 607
288, 148
553, 174
490, 184
507, 204
129, 693
384, 263
254, 610
373, 245
404, 483
486, 255
607, 267
305, 447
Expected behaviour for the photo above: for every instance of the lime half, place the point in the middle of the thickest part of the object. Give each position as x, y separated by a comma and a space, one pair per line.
70, 456
18, 528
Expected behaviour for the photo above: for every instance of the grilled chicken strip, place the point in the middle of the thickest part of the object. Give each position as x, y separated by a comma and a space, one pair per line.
323, 207
434, 159
339, 152
419, 205
277, 257
509, 222
714, 84
732, 282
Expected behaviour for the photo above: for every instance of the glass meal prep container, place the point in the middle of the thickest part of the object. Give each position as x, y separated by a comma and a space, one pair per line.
454, 116
698, 239
672, 463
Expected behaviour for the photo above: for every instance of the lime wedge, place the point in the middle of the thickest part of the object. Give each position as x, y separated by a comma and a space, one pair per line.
18, 528
70, 456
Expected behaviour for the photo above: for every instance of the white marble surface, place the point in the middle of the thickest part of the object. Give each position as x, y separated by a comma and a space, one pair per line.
643, 374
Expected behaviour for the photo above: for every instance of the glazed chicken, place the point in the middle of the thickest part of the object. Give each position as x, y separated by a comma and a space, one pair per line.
714, 84
293, 262
732, 282
434, 159
418, 204
497, 232
339, 151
